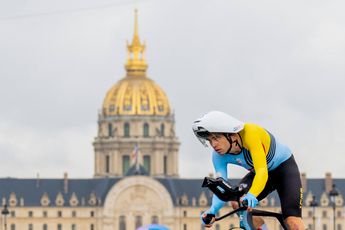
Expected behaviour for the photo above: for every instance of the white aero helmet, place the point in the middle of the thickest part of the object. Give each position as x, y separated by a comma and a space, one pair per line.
215, 122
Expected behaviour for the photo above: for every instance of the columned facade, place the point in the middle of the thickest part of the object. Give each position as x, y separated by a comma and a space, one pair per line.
136, 124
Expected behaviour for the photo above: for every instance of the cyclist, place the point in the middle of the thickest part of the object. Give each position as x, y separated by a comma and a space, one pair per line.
271, 165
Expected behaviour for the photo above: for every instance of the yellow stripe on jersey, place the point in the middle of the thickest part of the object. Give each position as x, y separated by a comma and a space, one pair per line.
257, 141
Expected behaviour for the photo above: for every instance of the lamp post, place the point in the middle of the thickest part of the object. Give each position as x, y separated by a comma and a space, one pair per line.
333, 194
313, 203
5, 212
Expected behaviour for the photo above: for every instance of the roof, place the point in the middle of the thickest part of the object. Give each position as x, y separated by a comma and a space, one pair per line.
32, 190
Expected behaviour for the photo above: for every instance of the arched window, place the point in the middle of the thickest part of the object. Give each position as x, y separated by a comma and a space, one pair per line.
184, 226
107, 164
138, 221
45, 227
13, 227
74, 227
125, 164
146, 130
31, 227
126, 129
122, 223
162, 130
110, 129
154, 220
147, 163
59, 227
92, 227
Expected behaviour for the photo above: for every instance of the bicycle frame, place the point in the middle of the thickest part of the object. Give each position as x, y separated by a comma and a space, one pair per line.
256, 212
226, 192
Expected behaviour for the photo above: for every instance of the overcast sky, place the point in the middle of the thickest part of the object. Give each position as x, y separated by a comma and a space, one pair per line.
279, 64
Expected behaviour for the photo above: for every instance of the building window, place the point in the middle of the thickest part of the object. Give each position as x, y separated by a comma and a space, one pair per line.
184, 213
122, 223
92, 213
324, 227
126, 129
74, 214
165, 165
310, 213
107, 164
31, 214
59, 227
324, 214
310, 226
110, 129
13, 214
45, 214
339, 227
13, 227
146, 130
59, 214
74, 227
184, 226
339, 213
125, 164
45, 227
154, 220
147, 163
31, 227
138, 221
92, 227
162, 130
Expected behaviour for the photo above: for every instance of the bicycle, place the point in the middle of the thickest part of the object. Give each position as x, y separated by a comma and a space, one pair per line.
224, 191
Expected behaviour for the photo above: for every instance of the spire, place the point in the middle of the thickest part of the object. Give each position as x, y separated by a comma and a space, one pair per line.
136, 64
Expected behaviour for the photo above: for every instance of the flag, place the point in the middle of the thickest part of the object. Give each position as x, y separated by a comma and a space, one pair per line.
135, 156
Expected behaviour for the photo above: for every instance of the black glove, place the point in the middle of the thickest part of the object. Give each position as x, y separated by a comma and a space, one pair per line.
208, 218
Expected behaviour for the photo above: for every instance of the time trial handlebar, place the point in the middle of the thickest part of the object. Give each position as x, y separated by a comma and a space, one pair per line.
223, 190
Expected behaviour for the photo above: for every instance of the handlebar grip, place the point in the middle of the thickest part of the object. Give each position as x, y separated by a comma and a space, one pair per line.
208, 218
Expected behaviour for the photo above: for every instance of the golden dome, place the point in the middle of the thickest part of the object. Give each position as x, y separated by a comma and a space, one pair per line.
136, 94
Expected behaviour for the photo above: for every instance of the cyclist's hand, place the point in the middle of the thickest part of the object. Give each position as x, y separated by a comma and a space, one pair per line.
208, 219
251, 200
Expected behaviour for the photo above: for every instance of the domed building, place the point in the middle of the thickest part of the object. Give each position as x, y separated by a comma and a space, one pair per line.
136, 116
136, 180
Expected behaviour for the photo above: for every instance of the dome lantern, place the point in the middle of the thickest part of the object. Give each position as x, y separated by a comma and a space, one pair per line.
136, 94
136, 64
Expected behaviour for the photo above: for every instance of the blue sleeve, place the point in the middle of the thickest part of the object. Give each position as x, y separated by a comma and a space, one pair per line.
220, 166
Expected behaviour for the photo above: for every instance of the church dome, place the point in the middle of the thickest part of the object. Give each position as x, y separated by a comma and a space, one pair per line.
136, 94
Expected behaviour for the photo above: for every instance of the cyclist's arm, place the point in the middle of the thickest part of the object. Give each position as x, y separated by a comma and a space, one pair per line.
220, 167
259, 161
